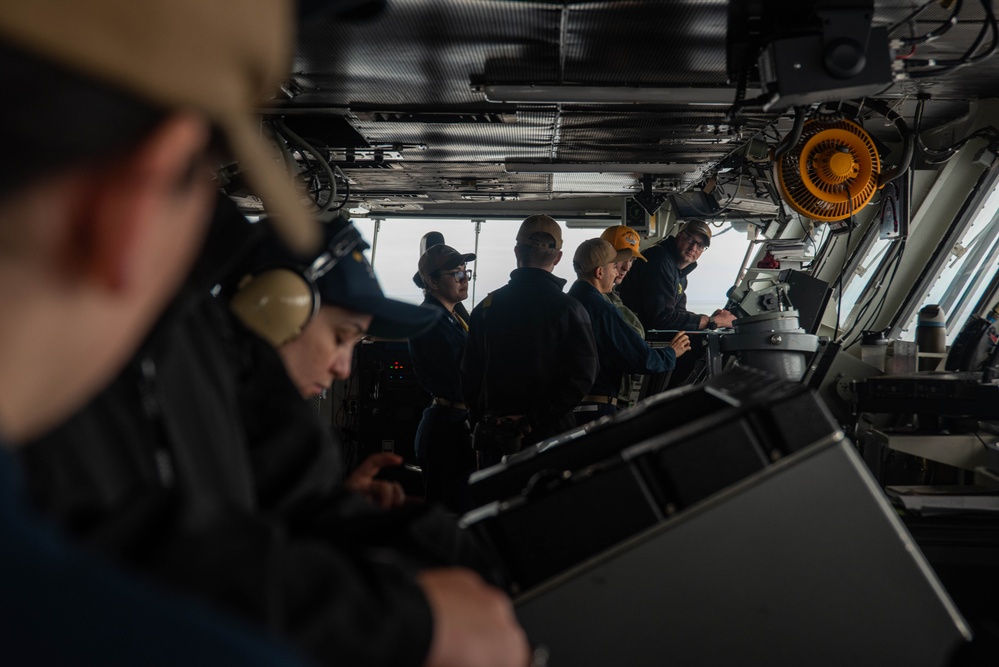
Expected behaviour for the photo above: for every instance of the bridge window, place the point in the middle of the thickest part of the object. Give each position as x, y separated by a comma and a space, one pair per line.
397, 252
968, 270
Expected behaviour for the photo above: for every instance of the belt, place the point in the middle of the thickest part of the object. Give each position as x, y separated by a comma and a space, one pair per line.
594, 398
449, 404
506, 419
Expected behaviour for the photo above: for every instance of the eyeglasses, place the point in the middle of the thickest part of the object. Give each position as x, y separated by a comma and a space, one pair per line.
461, 275
694, 242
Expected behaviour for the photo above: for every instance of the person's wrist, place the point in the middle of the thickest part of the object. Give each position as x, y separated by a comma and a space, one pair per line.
711, 325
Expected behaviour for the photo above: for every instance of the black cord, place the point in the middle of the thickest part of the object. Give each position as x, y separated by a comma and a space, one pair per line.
807, 231
857, 321
942, 155
969, 57
346, 192
740, 94
891, 280
710, 214
740, 101
783, 215
870, 300
771, 126
916, 12
305, 149
846, 260
897, 261
984, 445
940, 30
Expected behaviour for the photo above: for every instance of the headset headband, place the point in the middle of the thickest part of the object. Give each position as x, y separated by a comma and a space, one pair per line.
341, 245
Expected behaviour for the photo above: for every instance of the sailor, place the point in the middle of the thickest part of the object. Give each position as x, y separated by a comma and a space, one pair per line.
316, 351
626, 238
657, 289
443, 441
105, 189
314, 312
530, 356
619, 348
208, 457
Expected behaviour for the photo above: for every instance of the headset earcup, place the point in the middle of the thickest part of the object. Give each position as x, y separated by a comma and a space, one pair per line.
275, 304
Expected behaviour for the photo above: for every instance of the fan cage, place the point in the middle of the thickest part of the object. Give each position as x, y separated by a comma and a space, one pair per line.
831, 172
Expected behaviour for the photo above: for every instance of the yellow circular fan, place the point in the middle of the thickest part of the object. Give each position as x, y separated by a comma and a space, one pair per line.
831, 172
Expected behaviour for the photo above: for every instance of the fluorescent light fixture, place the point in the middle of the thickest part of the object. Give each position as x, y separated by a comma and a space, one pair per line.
570, 94
593, 223
490, 198
599, 168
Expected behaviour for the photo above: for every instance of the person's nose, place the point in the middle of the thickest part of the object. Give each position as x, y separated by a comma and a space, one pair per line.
340, 367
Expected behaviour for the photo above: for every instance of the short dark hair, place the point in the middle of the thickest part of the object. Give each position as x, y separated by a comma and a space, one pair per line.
55, 120
537, 257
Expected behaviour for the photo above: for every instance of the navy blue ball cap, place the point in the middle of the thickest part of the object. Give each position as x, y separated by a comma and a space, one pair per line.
352, 284
344, 277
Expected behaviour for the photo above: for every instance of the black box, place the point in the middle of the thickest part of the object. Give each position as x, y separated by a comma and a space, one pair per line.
672, 415
575, 497
803, 563
792, 71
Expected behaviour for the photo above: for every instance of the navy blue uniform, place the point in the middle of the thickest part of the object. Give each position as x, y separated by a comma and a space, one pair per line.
530, 352
443, 442
248, 518
59, 606
620, 349
202, 465
657, 290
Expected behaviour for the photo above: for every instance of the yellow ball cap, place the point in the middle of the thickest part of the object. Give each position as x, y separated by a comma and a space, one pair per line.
624, 238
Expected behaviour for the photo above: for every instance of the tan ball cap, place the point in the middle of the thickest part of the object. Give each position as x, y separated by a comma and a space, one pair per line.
592, 253
699, 227
219, 57
535, 225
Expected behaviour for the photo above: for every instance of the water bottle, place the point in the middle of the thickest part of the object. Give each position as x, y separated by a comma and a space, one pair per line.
931, 335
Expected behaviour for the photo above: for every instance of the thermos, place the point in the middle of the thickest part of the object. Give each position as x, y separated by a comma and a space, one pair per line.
931, 335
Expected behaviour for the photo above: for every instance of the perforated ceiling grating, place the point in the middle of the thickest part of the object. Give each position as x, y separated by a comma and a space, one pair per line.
409, 79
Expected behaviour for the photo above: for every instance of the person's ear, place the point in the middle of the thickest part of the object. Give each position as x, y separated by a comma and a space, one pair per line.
558, 258
123, 201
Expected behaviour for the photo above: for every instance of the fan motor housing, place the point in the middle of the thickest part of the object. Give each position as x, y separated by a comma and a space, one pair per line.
794, 70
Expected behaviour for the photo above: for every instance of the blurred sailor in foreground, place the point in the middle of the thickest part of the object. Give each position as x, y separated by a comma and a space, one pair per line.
443, 442
620, 350
105, 189
213, 473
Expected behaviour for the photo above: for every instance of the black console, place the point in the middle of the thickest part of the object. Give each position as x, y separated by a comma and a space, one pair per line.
569, 498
